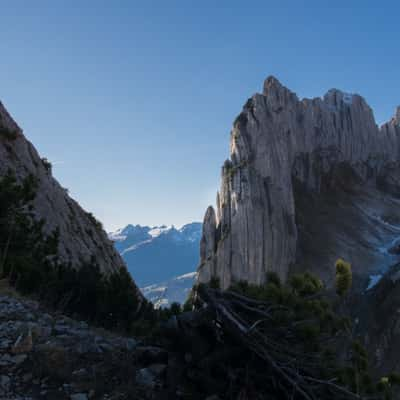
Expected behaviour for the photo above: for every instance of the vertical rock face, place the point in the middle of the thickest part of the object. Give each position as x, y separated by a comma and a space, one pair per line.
208, 243
81, 236
279, 144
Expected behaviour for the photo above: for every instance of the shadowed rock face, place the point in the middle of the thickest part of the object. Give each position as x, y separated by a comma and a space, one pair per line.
288, 158
380, 322
81, 236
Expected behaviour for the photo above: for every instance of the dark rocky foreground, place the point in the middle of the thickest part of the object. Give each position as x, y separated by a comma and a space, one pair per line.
44, 356
49, 356
222, 351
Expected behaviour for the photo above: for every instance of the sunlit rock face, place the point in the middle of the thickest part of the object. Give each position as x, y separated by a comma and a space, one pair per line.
301, 173
82, 238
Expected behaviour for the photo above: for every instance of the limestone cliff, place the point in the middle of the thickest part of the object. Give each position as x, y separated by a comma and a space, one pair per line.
81, 235
307, 181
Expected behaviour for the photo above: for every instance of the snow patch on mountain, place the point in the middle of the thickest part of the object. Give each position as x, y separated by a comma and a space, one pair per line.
175, 290
373, 281
155, 254
158, 230
189, 232
135, 246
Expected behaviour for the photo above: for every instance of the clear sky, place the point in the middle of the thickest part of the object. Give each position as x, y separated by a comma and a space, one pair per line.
133, 101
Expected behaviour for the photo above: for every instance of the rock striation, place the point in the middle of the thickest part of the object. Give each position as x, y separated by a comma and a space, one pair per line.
81, 235
297, 167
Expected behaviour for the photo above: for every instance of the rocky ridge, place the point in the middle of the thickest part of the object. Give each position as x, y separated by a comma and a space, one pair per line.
81, 235
307, 182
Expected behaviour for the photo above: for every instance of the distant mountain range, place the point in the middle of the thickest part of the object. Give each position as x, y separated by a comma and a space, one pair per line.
161, 259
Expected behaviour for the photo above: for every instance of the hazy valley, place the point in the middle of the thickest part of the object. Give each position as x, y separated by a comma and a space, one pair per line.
162, 260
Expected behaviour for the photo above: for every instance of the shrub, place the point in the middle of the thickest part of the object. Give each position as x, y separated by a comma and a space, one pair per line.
47, 165
343, 277
94, 221
214, 283
302, 321
8, 134
29, 259
273, 277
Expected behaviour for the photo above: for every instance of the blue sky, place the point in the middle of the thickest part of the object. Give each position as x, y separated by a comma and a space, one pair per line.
133, 101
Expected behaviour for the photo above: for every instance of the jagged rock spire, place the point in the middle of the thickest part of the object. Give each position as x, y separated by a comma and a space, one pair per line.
276, 141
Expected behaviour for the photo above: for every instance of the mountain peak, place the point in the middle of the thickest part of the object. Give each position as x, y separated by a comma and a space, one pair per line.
337, 96
279, 145
156, 231
278, 94
6, 121
130, 228
135, 234
272, 82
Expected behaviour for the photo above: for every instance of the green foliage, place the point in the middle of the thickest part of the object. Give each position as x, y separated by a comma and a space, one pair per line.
344, 277
110, 301
29, 259
302, 308
231, 169
8, 133
305, 284
15, 246
47, 165
150, 326
214, 283
387, 385
167, 312
273, 277
297, 303
175, 308
356, 374
94, 221
394, 379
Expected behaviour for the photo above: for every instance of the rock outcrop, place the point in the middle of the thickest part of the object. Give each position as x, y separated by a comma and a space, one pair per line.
307, 181
81, 235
